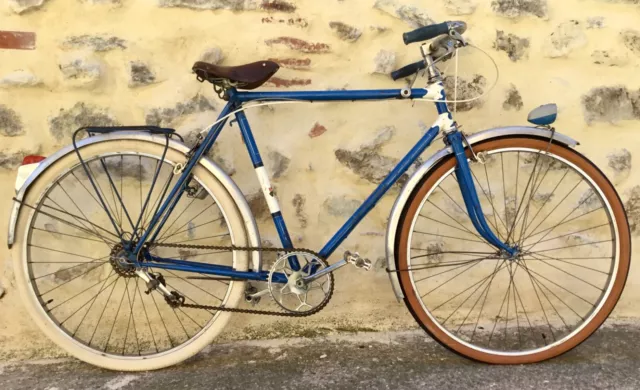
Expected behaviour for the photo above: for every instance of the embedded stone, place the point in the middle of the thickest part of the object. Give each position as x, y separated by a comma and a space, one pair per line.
620, 160
223, 158
413, 16
384, 135
460, 7
293, 63
632, 207
299, 45
286, 83
81, 71
515, 47
631, 39
102, 1
212, 55
258, 205
279, 163
345, 32
169, 115
567, 37
298, 202
19, 78
233, 5
378, 29
22, 6
513, 99
595, 22
317, 130
277, 5
2, 291
10, 123
384, 62
589, 201
610, 104
367, 163
81, 114
609, 58
140, 74
98, 43
517, 8
467, 89
341, 206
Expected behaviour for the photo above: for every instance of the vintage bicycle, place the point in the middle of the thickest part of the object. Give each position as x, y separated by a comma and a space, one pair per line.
133, 250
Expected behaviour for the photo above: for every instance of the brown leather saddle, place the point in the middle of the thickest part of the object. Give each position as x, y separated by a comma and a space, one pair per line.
248, 76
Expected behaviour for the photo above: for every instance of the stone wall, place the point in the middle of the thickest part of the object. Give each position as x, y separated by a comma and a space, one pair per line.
107, 62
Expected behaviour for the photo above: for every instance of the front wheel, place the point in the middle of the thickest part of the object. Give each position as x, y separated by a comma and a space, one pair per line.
574, 252
84, 296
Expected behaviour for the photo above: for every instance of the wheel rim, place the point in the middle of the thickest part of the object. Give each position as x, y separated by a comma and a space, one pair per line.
501, 338
81, 284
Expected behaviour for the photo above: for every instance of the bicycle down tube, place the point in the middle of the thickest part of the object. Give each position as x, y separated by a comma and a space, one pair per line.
234, 107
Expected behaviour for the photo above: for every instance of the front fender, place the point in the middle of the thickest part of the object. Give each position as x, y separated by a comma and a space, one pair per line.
243, 207
401, 200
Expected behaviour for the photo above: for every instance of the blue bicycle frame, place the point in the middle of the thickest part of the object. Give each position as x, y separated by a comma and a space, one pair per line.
236, 99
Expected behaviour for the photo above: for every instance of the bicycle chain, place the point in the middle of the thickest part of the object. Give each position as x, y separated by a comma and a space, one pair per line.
248, 249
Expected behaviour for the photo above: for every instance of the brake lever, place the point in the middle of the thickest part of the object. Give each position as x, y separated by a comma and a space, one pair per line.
458, 37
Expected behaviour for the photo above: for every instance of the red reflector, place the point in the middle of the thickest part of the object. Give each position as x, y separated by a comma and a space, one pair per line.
32, 159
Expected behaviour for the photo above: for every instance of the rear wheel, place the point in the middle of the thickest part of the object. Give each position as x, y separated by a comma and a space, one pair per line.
573, 235
88, 299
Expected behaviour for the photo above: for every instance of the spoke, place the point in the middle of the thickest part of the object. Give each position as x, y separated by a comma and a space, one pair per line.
454, 238
477, 284
562, 220
535, 290
534, 191
492, 275
489, 197
113, 188
131, 318
504, 190
446, 224
106, 303
453, 219
196, 226
515, 288
126, 287
84, 229
569, 246
484, 301
121, 186
158, 202
168, 235
94, 198
80, 308
68, 253
64, 234
144, 307
101, 195
102, 288
565, 235
163, 322
180, 215
565, 222
84, 218
498, 315
526, 229
74, 278
458, 265
455, 276
568, 273
86, 289
549, 258
555, 284
460, 207
540, 285
526, 188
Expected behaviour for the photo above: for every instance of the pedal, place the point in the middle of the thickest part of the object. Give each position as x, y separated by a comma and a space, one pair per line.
357, 261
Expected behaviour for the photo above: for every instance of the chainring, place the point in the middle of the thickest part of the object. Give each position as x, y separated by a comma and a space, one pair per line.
308, 252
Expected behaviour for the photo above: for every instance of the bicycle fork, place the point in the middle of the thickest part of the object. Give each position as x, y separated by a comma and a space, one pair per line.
470, 195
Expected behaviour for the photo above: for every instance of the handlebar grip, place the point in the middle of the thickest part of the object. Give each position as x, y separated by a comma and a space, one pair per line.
426, 32
408, 70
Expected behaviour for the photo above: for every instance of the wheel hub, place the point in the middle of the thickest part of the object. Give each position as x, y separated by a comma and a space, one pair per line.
120, 263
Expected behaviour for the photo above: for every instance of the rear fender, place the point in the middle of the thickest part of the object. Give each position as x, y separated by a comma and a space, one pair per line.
249, 221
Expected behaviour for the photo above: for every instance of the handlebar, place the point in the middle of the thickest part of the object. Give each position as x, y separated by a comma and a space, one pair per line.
429, 32
426, 32
408, 70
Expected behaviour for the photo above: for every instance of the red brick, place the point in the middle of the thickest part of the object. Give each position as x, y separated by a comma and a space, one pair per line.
299, 45
286, 83
317, 130
19, 40
293, 63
